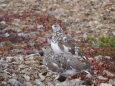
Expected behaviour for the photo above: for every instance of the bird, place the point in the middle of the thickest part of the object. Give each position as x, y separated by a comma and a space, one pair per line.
59, 56
60, 43
63, 43
63, 65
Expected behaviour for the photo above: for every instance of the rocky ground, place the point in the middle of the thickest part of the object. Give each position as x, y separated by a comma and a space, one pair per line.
92, 17
26, 24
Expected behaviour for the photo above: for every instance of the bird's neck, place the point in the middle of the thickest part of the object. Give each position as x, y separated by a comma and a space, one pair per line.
58, 34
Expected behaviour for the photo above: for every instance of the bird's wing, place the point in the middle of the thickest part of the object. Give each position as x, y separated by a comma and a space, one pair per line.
70, 43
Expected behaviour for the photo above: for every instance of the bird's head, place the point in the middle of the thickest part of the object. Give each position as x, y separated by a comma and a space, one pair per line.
56, 28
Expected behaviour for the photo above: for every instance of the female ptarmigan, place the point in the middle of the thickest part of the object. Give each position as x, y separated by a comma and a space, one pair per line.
63, 64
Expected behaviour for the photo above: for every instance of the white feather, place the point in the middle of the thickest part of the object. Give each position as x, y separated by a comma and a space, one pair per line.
56, 48
66, 49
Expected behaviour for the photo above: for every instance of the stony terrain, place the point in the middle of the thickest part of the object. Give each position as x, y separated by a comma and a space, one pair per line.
86, 17
25, 26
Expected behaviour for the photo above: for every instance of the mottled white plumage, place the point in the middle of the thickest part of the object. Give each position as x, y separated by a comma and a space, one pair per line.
59, 58
61, 43
63, 64
56, 48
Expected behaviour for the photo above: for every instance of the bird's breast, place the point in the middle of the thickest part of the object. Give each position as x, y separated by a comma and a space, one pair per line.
56, 48
66, 49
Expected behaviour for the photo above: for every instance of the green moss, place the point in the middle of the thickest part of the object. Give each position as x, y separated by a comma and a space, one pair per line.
102, 41
92, 38
112, 41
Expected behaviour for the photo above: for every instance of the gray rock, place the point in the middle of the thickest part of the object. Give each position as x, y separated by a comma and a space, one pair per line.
112, 82
39, 83
75, 82
105, 84
14, 82
28, 83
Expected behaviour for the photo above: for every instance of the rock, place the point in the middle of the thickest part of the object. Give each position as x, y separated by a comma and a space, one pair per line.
66, 1
28, 84
4, 83
27, 62
21, 66
61, 78
6, 34
41, 76
113, 32
1, 84
13, 81
9, 58
3, 22
40, 26
44, 74
87, 82
107, 57
19, 59
98, 57
38, 82
27, 77
41, 53
112, 82
75, 82
102, 78
50, 84
3, 5
21, 79
105, 84
108, 73
17, 51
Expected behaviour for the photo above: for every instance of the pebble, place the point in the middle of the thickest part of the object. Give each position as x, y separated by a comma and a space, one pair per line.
38, 82
40, 26
75, 82
9, 58
107, 57
3, 82
27, 62
108, 73
98, 57
16, 51
105, 84
13, 81
61, 78
112, 82
41, 76
87, 82
102, 78
19, 59
3, 22
28, 84
50, 84
26, 77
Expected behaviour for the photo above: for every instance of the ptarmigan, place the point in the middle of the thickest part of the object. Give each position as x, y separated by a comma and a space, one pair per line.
59, 58
62, 43
63, 65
